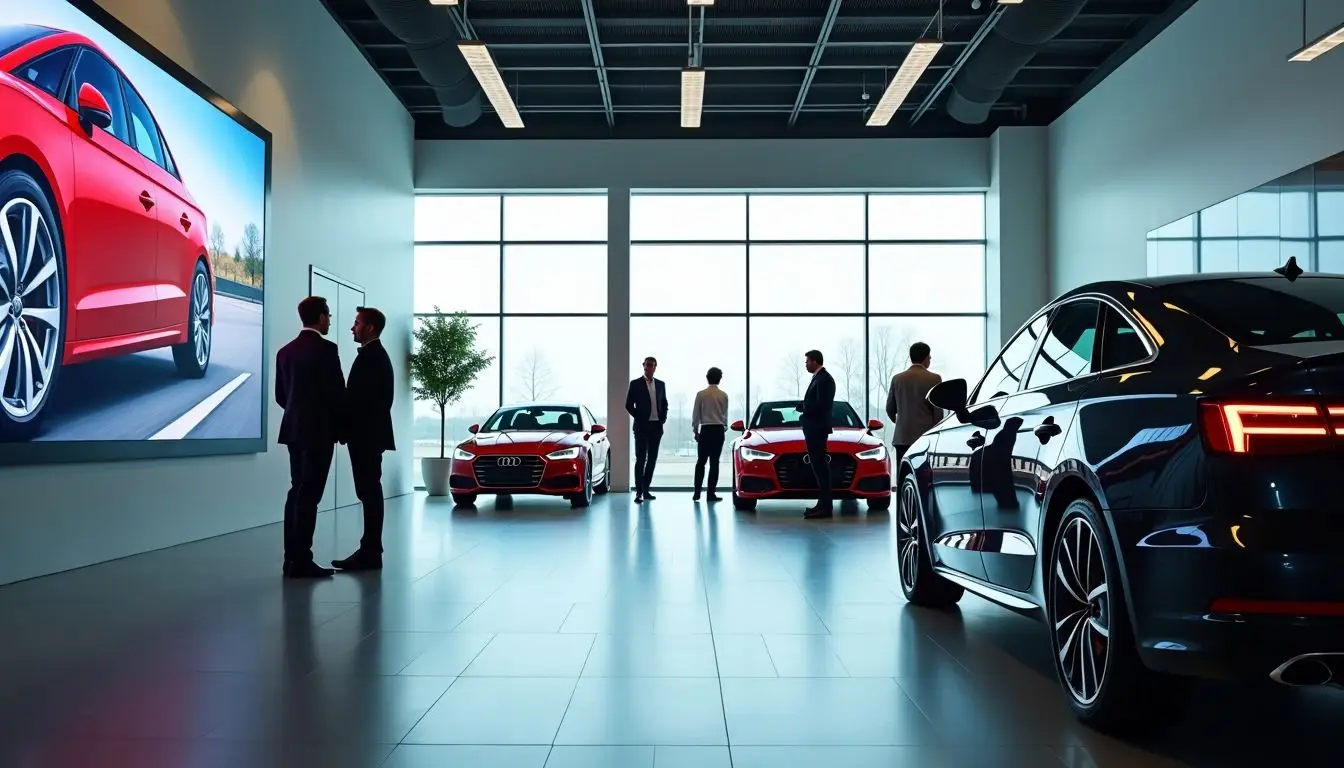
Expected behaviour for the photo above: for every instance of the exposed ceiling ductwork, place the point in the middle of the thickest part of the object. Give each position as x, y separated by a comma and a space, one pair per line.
431, 39
1015, 39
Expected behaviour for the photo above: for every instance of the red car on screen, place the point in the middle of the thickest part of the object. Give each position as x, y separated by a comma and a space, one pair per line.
770, 459
533, 448
102, 248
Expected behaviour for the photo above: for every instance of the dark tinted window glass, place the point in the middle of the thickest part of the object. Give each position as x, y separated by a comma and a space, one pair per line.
46, 72
1006, 373
1067, 349
1120, 344
1266, 310
12, 36
785, 413
145, 131
96, 71
533, 417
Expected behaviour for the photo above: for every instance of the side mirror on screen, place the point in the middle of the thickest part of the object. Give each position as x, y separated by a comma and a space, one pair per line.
93, 107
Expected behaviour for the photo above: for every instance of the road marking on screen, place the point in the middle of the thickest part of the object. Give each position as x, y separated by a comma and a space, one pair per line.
192, 419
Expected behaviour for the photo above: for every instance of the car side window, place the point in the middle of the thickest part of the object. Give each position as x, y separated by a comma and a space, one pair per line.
1007, 371
96, 71
146, 133
48, 70
1066, 351
1121, 343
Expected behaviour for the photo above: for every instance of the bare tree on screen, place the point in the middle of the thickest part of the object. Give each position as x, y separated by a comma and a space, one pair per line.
791, 376
252, 253
534, 378
218, 248
849, 366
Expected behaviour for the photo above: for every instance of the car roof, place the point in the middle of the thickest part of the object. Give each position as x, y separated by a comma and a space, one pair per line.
539, 404
1117, 288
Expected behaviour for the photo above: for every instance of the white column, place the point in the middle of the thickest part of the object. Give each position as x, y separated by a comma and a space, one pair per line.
1016, 230
618, 333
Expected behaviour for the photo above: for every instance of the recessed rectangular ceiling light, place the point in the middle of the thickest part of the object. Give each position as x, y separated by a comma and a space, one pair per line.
1324, 45
916, 61
487, 74
443, 2
699, 2
692, 96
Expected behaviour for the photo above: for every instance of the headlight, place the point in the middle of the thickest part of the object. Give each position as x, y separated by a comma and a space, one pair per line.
751, 454
461, 455
564, 453
874, 454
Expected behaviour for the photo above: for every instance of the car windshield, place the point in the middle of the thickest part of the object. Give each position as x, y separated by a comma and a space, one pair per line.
1266, 310
14, 35
785, 413
530, 417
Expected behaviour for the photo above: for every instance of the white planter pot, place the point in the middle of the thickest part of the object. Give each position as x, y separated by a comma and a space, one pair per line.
436, 473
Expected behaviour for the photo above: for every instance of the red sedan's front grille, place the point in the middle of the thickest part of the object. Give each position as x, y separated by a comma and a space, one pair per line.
796, 475
509, 471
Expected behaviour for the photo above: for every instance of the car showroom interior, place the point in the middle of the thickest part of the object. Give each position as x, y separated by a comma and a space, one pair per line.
671, 383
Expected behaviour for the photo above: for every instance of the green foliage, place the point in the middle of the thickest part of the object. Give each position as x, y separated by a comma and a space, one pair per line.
447, 363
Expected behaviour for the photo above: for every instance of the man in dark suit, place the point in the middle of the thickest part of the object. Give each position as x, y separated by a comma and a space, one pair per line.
368, 432
647, 403
309, 386
818, 404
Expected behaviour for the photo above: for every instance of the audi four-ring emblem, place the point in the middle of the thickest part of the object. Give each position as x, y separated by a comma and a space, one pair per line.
509, 461
807, 459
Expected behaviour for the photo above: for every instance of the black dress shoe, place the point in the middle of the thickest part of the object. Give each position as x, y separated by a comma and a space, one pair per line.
309, 570
695, 496
816, 513
713, 497
649, 496
639, 499
360, 561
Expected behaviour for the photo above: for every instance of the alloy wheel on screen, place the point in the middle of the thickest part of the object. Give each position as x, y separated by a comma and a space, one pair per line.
200, 303
30, 308
1081, 611
907, 535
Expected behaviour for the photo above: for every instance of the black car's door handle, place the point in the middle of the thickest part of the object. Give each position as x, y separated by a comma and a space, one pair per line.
976, 440
1047, 430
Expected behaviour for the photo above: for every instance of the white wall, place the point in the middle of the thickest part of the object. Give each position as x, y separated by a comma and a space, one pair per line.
341, 197
1209, 109
1016, 228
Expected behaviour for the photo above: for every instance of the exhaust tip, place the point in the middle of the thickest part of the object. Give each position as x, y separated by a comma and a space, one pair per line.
1304, 672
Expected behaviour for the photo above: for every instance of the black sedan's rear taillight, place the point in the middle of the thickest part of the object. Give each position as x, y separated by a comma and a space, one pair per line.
1270, 428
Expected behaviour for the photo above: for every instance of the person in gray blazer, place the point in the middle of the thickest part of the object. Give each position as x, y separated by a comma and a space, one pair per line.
907, 403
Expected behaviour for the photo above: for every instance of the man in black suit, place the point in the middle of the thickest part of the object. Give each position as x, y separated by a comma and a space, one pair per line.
310, 387
647, 403
817, 406
368, 432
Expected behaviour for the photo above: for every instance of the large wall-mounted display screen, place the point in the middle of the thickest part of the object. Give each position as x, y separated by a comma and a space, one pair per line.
133, 209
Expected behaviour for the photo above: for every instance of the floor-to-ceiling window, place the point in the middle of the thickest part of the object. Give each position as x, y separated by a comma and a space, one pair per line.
531, 270
748, 283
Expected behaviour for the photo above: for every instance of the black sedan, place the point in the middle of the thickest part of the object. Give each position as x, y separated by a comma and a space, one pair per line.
1149, 467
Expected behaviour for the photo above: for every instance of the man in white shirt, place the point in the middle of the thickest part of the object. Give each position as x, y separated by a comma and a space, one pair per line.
646, 402
709, 425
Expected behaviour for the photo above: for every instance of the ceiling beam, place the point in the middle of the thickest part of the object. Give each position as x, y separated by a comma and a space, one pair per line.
590, 19
827, 24
1063, 67
946, 79
556, 47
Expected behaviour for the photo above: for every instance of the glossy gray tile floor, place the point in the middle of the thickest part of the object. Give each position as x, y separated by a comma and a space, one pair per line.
658, 636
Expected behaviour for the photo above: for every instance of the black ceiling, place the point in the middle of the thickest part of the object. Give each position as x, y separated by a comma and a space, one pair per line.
758, 54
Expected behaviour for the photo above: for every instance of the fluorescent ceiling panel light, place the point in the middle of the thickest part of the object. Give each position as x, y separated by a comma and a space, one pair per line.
1010, 2
916, 61
692, 96
487, 74
443, 2
1321, 47
699, 2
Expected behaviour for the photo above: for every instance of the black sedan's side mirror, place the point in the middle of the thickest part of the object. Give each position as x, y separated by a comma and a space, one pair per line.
950, 395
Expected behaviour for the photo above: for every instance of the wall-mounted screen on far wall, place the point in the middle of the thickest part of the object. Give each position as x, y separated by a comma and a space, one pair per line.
133, 209
1299, 215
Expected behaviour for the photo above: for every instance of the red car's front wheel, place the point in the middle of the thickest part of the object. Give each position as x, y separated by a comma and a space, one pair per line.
32, 304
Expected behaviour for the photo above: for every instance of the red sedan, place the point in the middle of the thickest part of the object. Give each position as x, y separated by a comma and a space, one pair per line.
102, 248
770, 460
549, 450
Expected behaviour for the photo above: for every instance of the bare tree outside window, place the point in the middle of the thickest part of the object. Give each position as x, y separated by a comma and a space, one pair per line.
849, 370
792, 376
534, 378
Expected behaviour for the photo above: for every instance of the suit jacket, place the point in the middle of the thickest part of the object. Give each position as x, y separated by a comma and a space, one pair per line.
908, 406
368, 394
818, 403
637, 401
310, 386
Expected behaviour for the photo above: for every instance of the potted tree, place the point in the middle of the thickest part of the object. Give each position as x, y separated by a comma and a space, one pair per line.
447, 363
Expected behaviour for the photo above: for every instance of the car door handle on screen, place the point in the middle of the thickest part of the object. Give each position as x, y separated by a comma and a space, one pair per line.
147, 200
976, 440
1047, 430
186, 223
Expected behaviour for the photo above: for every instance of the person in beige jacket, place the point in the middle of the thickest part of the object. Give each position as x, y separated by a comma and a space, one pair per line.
907, 403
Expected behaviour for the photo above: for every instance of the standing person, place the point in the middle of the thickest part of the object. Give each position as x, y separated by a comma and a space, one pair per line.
908, 406
646, 401
817, 406
709, 425
310, 387
369, 395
